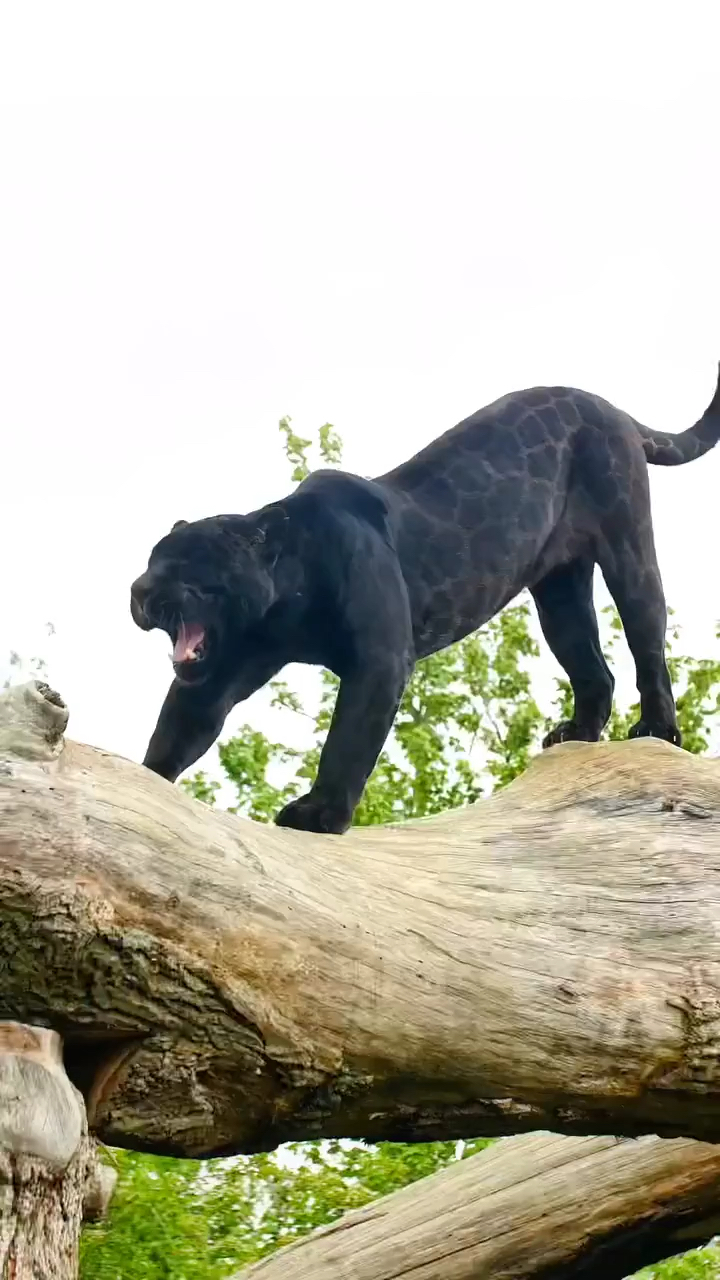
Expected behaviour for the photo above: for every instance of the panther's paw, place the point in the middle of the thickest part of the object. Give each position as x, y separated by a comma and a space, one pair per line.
668, 732
568, 731
311, 814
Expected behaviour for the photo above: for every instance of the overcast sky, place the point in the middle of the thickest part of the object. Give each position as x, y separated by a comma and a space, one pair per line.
384, 215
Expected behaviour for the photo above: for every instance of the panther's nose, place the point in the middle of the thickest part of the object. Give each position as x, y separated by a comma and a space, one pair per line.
140, 588
139, 593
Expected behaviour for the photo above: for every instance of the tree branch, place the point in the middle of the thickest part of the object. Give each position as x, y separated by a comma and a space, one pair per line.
547, 958
533, 1207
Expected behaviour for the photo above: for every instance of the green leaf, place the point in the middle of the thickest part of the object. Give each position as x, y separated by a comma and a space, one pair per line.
295, 451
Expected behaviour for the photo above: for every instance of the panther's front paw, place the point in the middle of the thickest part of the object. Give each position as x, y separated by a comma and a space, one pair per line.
668, 732
311, 814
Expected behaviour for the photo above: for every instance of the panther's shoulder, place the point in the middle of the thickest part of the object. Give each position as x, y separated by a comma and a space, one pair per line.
337, 493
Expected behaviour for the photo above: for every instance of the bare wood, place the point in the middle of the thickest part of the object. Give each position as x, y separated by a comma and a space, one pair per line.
99, 1190
45, 1157
534, 1206
547, 959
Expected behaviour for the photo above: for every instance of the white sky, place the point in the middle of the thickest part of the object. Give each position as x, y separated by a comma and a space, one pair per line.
384, 215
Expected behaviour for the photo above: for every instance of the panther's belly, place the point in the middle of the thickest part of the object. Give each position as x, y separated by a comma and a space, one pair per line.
445, 616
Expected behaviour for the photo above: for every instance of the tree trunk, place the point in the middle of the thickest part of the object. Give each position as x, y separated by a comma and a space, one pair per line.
46, 1158
546, 959
538, 1207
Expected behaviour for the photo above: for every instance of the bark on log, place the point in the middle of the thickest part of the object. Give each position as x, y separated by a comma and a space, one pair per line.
532, 1208
546, 959
46, 1157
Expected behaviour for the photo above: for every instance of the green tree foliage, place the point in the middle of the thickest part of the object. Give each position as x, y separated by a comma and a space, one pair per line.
698, 1264
468, 723
184, 1220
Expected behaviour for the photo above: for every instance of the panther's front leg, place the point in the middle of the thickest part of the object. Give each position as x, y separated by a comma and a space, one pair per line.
366, 706
191, 718
193, 715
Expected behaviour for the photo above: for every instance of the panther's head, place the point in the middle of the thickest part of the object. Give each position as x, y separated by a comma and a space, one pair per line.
207, 582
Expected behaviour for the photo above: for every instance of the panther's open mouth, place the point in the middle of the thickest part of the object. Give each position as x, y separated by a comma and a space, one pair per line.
189, 644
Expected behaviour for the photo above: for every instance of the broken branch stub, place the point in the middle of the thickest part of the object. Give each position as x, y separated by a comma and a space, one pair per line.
46, 1157
33, 721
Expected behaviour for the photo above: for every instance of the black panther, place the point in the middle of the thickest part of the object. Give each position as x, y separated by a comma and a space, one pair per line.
366, 576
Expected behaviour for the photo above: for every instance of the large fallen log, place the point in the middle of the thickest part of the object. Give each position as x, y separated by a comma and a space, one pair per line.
548, 958
530, 1208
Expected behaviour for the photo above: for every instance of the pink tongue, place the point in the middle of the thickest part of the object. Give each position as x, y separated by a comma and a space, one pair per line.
188, 640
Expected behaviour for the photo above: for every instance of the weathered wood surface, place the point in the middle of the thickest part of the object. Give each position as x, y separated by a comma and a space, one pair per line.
547, 959
534, 1207
47, 1160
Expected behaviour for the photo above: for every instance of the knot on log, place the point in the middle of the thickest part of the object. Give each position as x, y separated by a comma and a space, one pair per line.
33, 719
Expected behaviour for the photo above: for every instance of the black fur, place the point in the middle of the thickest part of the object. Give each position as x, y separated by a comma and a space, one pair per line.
366, 576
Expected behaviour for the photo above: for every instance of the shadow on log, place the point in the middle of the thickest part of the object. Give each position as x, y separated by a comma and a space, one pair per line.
546, 959
533, 1207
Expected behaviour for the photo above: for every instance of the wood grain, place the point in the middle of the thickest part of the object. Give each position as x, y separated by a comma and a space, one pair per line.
530, 1208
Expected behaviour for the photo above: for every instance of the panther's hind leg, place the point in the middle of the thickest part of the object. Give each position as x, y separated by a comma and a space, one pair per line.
564, 600
630, 569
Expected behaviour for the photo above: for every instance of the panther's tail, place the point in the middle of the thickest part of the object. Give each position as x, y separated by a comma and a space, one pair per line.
666, 450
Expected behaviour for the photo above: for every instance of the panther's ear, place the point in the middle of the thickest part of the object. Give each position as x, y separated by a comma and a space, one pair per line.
270, 529
179, 524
